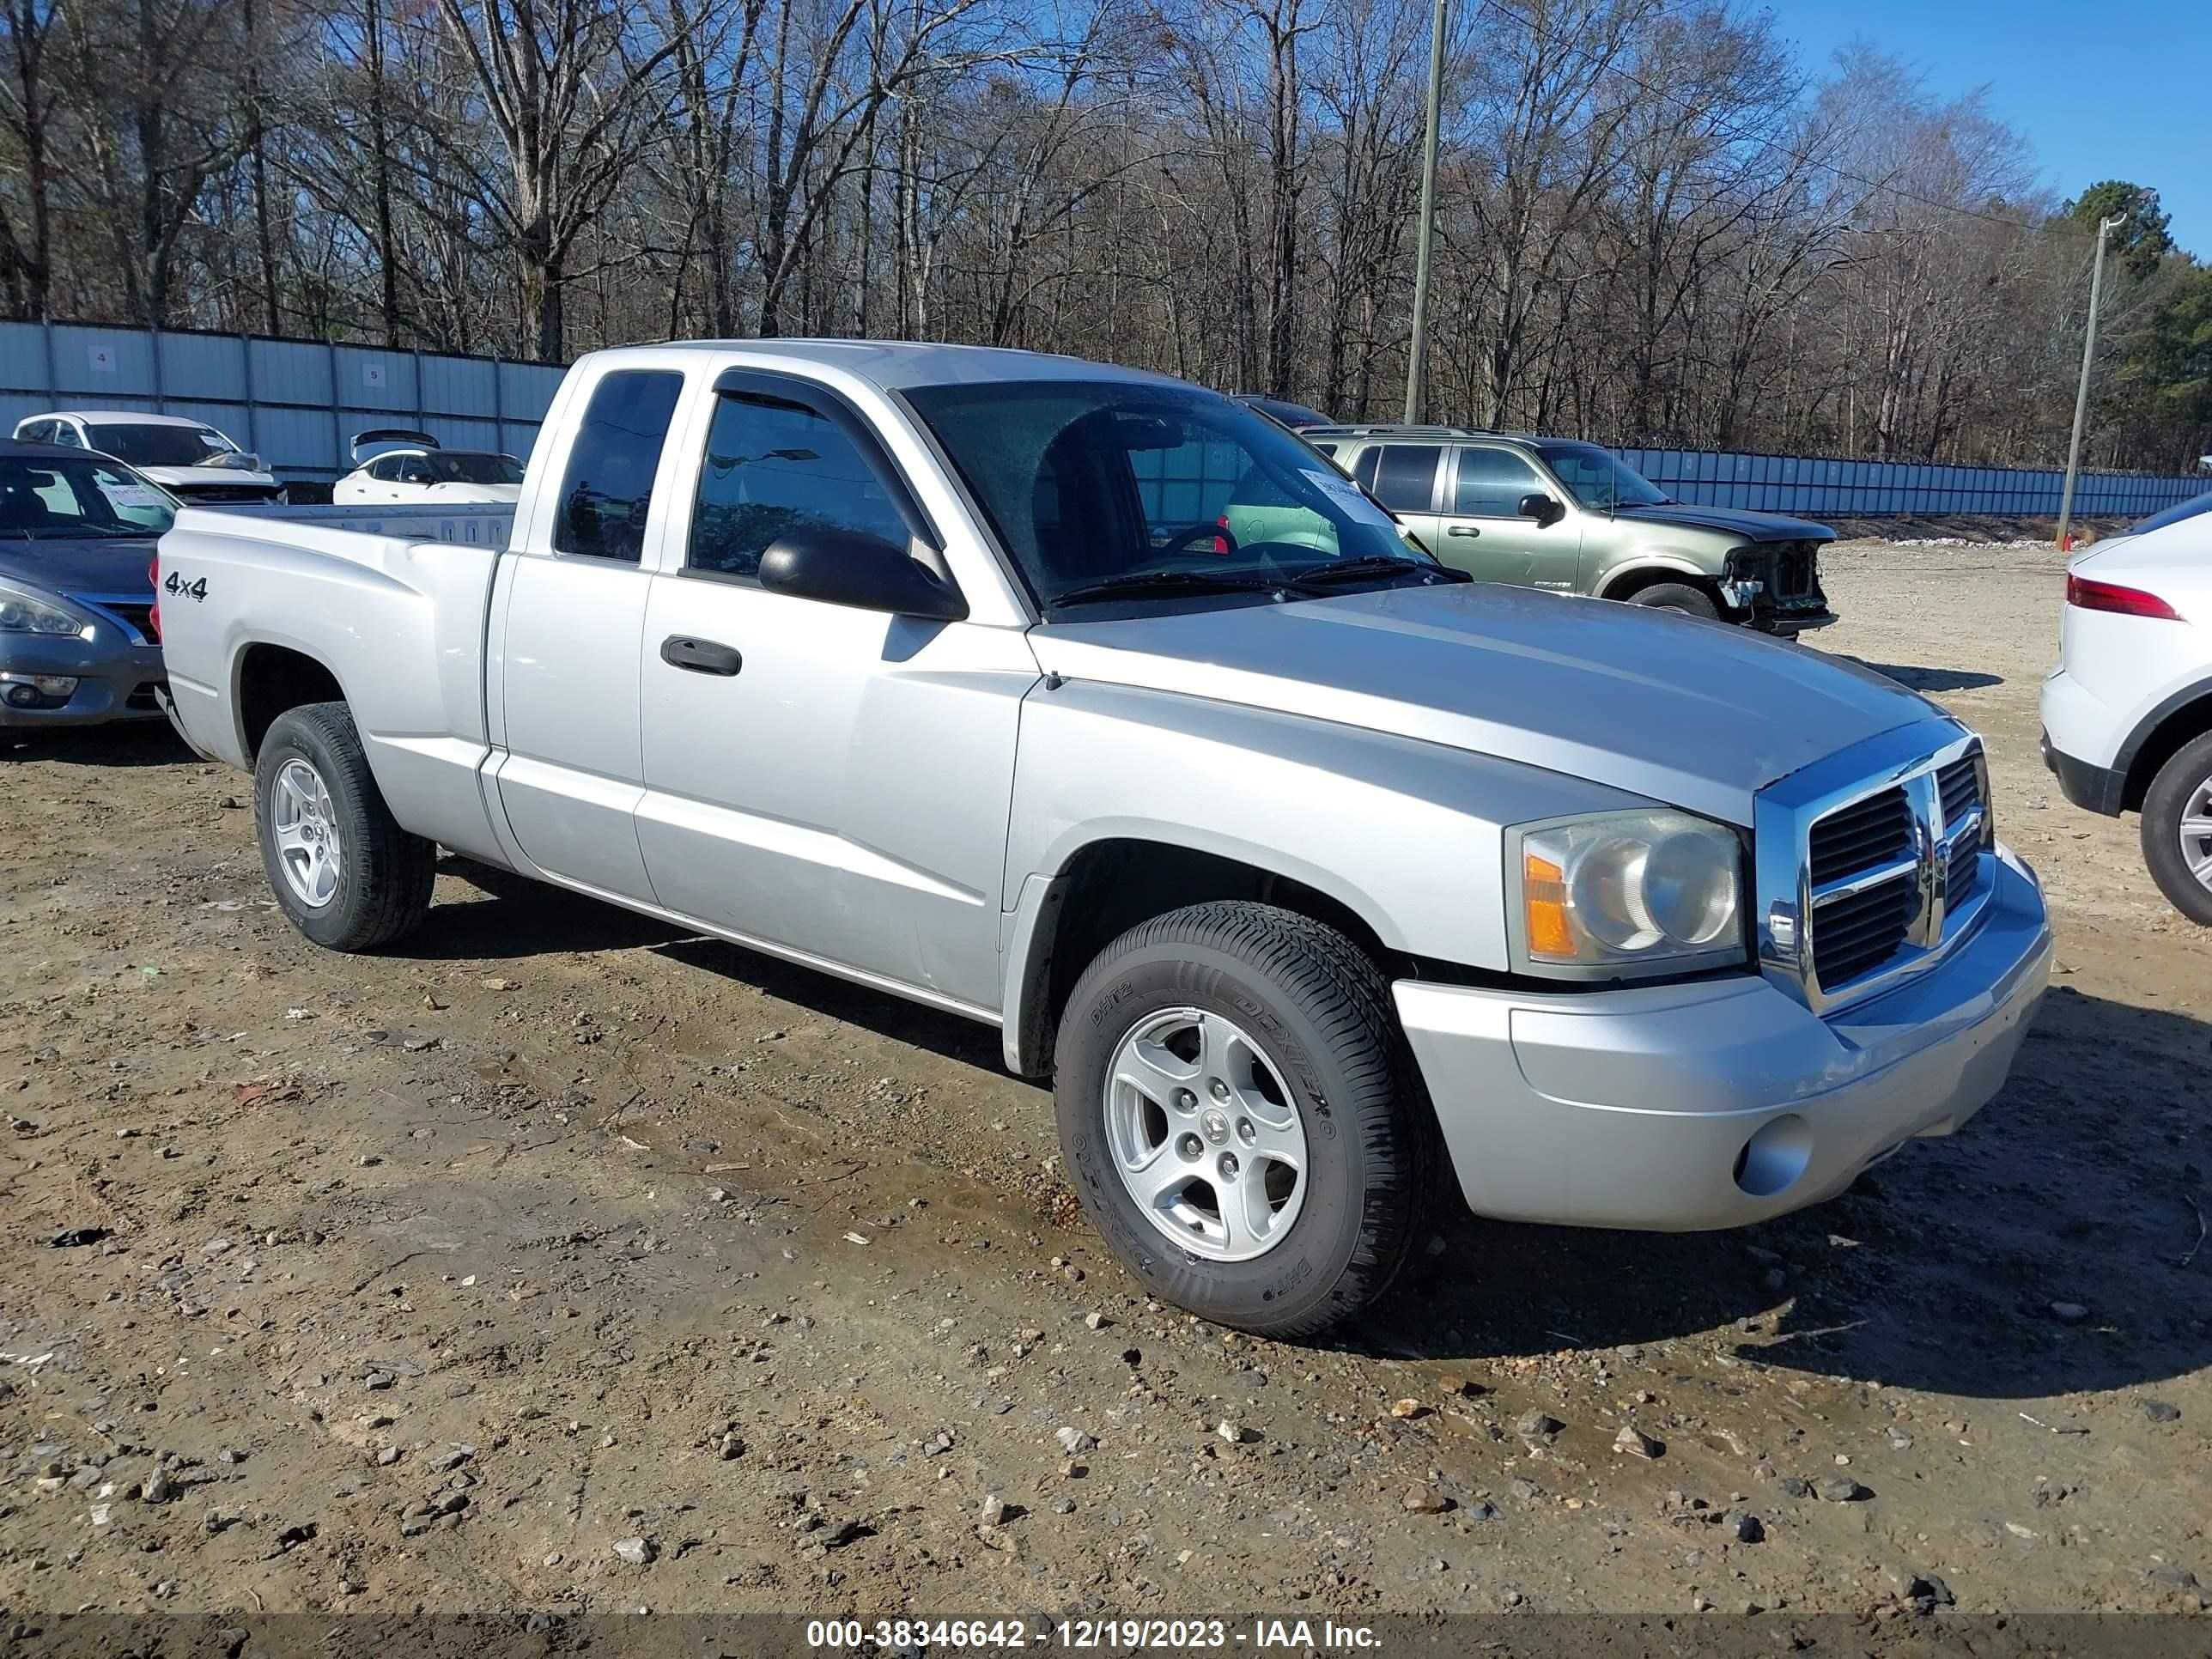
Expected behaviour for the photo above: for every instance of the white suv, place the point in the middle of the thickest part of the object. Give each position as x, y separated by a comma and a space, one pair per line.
2127, 713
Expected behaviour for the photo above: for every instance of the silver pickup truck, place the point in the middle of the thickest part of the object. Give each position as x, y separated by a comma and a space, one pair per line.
1305, 867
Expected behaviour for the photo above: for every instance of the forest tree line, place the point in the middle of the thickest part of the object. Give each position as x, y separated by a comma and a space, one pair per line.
1655, 223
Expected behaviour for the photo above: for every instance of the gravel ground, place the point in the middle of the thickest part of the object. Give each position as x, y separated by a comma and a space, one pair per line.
562, 1262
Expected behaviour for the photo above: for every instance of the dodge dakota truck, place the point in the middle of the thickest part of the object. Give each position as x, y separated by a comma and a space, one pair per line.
1306, 868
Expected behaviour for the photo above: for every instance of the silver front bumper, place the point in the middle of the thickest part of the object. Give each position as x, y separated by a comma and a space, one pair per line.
1720, 1101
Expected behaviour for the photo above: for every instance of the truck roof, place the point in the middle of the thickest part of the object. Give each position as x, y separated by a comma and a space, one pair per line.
893, 364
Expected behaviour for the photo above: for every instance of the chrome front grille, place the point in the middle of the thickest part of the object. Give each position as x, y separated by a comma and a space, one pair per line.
1856, 932
1869, 864
1866, 835
1961, 787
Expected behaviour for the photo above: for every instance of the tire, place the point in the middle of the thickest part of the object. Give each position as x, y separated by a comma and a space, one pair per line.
2181, 790
1326, 1057
1677, 596
375, 887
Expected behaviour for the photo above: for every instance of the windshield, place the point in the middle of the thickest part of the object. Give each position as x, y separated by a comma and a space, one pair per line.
81, 500
1096, 486
159, 446
2174, 514
1597, 478
461, 466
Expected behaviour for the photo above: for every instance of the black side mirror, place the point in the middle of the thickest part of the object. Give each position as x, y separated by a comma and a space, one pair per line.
1542, 509
850, 567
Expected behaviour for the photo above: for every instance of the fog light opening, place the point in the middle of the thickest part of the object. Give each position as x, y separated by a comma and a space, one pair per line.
1774, 1159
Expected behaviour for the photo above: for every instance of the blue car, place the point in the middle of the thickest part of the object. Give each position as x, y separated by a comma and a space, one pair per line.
78, 645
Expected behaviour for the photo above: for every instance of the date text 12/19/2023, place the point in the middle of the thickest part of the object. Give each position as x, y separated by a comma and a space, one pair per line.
1115, 1635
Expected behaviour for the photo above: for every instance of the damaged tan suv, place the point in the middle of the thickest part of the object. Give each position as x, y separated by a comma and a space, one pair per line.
1559, 513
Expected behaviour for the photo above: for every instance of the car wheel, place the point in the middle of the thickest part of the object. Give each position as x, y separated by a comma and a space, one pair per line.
2177, 830
1678, 596
342, 868
1241, 1119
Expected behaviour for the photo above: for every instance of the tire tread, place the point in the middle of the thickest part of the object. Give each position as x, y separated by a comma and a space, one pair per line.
399, 867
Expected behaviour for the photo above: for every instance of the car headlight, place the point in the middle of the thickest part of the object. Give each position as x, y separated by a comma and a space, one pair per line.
1645, 891
26, 613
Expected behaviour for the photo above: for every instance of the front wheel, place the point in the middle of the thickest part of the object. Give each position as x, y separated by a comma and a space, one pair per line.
2177, 830
342, 869
1240, 1120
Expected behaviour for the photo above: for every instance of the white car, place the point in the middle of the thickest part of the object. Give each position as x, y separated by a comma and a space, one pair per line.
419, 471
189, 458
2127, 713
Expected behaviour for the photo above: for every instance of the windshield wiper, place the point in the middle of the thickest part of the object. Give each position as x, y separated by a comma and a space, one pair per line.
1372, 564
1148, 583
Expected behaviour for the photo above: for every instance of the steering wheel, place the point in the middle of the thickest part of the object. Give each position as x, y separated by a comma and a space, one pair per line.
1192, 532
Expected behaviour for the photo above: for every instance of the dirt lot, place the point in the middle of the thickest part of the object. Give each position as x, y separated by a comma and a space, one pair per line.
439, 1281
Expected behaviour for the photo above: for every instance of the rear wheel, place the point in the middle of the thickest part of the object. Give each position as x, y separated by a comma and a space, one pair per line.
1240, 1120
342, 869
1678, 596
2177, 830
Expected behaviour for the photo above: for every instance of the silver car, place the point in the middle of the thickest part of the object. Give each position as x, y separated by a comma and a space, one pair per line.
1300, 864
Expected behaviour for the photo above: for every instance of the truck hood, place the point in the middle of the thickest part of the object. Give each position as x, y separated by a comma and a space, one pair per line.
1696, 715
113, 567
1732, 521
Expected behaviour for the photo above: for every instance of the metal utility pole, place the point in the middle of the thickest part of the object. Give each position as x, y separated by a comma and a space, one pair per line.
1417, 350
2105, 227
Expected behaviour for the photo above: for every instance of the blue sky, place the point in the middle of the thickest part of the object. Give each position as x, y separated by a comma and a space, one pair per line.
2115, 89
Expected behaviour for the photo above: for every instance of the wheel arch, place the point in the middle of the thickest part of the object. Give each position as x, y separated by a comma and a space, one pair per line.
1630, 579
269, 679
1113, 882
2181, 718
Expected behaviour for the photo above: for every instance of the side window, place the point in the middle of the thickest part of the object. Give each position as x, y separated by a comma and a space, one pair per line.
36, 432
773, 466
65, 435
1402, 476
1327, 449
608, 490
1492, 483
380, 469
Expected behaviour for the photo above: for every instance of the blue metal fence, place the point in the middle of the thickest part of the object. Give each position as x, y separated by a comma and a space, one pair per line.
296, 404
1882, 490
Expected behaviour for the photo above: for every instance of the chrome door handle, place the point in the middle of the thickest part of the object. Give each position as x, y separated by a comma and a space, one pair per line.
700, 656
1462, 529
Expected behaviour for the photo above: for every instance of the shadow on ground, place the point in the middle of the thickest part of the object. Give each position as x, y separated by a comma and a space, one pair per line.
135, 743
1936, 679
1939, 1271
516, 917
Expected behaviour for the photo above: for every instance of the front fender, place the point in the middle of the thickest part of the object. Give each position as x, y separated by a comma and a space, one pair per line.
1406, 834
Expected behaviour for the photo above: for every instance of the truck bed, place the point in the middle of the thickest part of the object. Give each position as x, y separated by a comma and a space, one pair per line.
389, 603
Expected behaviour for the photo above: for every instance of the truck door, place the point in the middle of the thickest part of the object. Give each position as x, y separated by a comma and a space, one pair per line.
1484, 533
565, 701
827, 780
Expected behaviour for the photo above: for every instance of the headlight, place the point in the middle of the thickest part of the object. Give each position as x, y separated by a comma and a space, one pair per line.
1624, 893
22, 613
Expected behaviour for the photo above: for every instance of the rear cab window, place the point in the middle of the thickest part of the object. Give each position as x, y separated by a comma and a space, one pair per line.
607, 491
